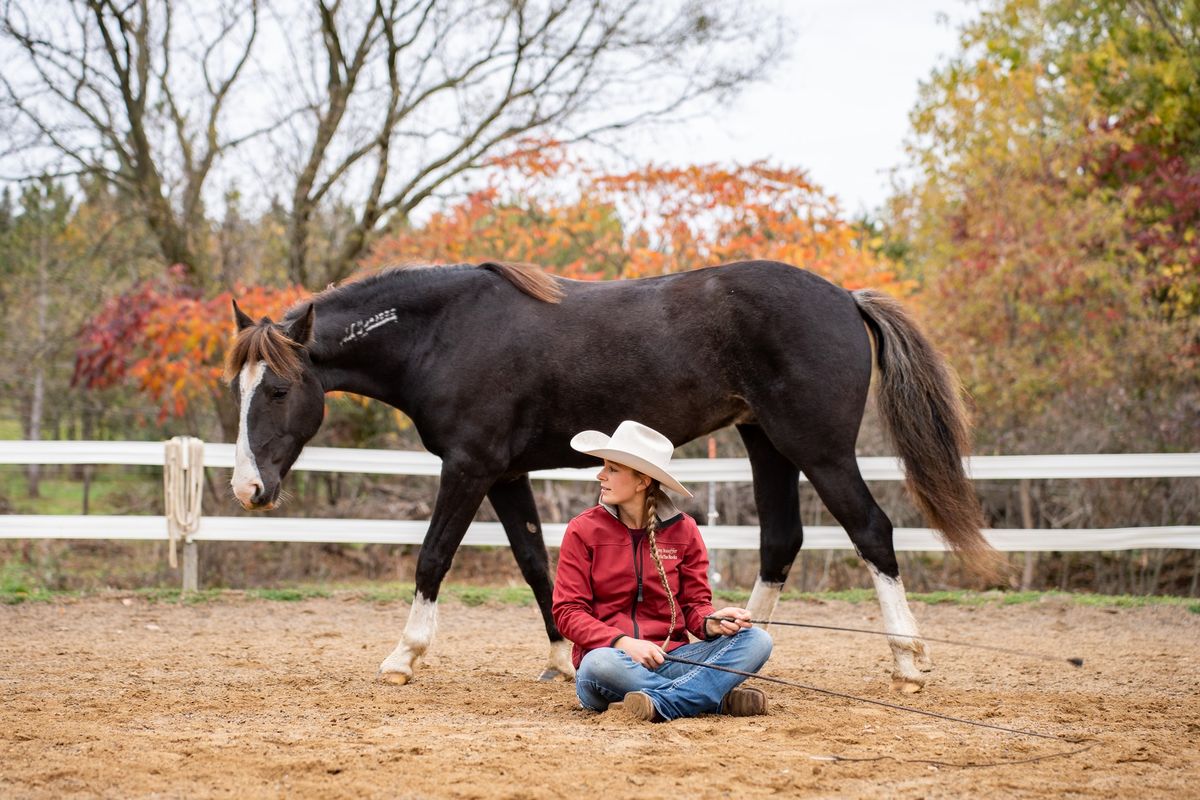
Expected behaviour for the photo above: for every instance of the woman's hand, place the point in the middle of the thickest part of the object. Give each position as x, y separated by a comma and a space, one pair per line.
735, 620
648, 654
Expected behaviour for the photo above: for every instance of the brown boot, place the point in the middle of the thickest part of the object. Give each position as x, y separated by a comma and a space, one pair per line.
743, 701
640, 706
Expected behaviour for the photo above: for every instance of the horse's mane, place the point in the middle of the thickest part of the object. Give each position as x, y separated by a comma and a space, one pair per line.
530, 279
267, 342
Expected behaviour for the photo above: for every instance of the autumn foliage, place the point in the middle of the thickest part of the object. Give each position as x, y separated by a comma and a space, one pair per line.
1053, 223
547, 209
167, 341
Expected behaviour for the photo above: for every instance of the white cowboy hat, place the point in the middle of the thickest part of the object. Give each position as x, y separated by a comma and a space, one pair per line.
634, 445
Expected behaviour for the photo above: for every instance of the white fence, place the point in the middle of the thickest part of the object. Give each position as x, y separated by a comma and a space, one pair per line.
262, 528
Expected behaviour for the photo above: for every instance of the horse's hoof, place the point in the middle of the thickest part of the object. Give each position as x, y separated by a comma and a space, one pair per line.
907, 685
553, 675
394, 678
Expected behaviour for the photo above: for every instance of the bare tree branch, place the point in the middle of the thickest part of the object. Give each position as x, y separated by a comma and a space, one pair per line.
573, 69
376, 105
105, 85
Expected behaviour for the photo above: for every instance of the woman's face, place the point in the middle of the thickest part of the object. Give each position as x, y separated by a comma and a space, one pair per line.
619, 484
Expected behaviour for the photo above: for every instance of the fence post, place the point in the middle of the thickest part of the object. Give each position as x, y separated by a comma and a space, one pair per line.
1027, 520
191, 567
183, 496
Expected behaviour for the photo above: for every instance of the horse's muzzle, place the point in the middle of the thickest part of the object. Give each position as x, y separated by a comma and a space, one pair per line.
254, 497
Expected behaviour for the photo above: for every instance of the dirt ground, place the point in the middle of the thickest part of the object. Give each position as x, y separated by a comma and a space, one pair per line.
243, 698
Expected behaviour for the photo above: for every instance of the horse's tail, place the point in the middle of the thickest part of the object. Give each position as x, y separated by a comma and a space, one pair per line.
920, 402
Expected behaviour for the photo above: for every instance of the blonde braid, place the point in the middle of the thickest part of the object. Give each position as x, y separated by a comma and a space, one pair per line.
651, 530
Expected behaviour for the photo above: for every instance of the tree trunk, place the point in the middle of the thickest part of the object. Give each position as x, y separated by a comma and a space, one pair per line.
38, 401
33, 471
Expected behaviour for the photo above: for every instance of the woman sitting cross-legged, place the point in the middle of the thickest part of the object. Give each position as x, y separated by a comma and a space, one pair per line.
632, 583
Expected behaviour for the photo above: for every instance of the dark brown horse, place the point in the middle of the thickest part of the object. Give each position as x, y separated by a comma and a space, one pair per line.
498, 365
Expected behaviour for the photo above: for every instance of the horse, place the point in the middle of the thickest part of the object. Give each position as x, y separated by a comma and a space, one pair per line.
499, 364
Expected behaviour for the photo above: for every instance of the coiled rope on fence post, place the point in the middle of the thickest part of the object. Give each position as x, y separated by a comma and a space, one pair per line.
183, 493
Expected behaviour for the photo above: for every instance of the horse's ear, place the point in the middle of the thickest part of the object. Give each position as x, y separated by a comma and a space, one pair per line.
243, 321
301, 330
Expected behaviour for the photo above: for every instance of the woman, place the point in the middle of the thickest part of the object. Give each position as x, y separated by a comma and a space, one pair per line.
632, 583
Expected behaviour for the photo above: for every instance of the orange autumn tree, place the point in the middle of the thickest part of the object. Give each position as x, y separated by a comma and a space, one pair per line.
168, 343
546, 208
183, 344
679, 218
537, 207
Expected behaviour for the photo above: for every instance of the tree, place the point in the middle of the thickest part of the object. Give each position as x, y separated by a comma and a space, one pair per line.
1142, 62
540, 206
169, 343
680, 218
108, 89
36, 258
550, 208
1027, 245
373, 105
57, 257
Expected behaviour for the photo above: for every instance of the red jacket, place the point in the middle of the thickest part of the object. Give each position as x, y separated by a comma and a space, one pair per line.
607, 585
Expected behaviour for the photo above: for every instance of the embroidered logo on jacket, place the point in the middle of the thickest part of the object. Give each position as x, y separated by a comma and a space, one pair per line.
668, 553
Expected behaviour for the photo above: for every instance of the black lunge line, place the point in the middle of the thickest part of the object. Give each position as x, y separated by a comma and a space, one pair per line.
1075, 662
894, 706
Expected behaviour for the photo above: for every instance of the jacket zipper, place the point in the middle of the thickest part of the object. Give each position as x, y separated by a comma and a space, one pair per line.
637, 570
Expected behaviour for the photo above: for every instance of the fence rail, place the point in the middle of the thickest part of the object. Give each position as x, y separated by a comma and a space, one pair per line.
695, 471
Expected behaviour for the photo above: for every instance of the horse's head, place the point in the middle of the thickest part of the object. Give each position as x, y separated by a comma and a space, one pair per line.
281, 400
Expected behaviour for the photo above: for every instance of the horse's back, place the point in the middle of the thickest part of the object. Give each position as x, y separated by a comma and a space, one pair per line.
739, 311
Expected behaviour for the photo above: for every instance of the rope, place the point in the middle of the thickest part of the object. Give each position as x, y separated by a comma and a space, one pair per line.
183, 490
1075, 661
892, 706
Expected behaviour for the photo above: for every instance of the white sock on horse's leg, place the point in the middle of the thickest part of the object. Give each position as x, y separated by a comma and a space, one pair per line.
897, 618
764, 598
558, 665
398, 667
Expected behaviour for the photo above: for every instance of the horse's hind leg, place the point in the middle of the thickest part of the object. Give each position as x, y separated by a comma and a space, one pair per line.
777, 497
842, 489
514, 504
459, 496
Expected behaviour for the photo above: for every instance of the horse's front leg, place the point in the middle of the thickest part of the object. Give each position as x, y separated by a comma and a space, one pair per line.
515, 506
459, 496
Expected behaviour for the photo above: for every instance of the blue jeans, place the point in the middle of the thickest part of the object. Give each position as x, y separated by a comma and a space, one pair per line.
606, 675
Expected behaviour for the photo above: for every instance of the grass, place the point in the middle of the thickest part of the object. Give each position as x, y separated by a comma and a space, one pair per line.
19, 585
60, 495
288, 595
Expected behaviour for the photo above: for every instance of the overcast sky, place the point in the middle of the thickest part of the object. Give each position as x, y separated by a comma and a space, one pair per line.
839, 107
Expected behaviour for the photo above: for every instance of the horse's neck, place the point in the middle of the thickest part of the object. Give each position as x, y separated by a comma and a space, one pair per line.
365, 335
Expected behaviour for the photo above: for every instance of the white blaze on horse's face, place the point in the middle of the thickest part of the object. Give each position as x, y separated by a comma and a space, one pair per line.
247, 482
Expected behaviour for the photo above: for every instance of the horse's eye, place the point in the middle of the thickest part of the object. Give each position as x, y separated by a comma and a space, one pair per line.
279, 394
